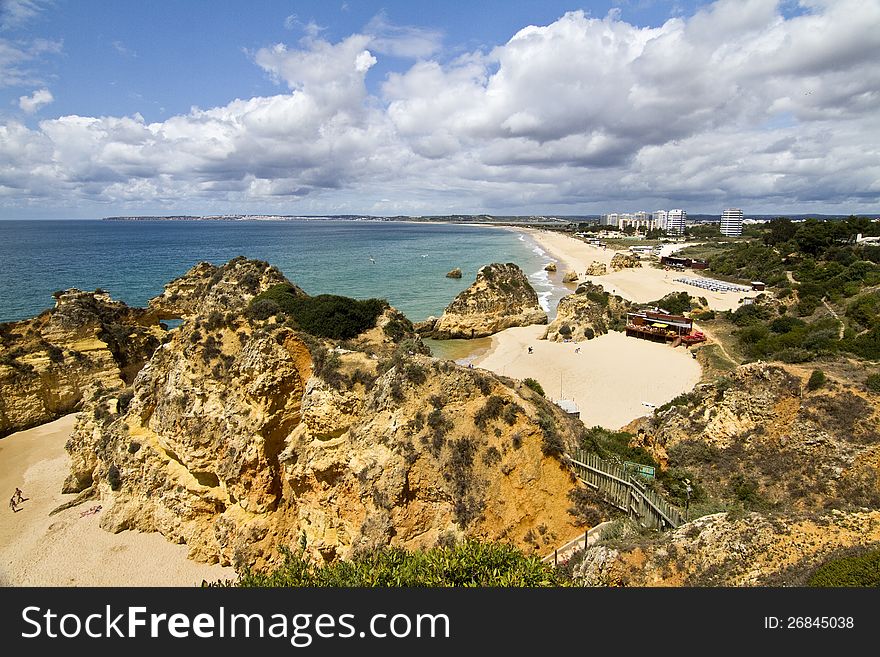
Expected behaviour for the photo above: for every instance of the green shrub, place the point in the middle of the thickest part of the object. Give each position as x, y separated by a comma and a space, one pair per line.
534, 385
467, 564
491, 410
873, 383
325, 316
861, 570
552, 444
676, 303
817, 379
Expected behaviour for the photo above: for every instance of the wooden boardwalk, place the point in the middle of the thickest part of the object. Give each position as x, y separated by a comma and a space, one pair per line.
627, 492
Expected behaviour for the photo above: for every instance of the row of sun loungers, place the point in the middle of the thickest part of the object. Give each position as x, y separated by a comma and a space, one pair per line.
712, 284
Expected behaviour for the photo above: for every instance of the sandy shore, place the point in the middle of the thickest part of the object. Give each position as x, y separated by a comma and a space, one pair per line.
70, 549
638, 285
611, 379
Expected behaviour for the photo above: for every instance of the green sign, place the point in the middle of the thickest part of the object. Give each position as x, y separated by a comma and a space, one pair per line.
638, 468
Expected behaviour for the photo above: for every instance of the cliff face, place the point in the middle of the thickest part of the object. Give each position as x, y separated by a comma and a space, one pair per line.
242, 436
723, 550
759, 436
87, 341
500, 297
206, 287
587, 313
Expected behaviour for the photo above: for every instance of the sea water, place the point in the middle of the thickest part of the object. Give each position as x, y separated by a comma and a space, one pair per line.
405, 263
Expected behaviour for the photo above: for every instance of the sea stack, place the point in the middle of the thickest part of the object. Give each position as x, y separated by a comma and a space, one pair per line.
550, 266
570, 277
499, 298
455, 273
625, 261
586, 314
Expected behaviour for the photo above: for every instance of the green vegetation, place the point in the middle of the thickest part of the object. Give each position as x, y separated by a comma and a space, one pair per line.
677, 303
534, 385
325, 316
467, 564
851, 571
873, 383
817, 380
617, 446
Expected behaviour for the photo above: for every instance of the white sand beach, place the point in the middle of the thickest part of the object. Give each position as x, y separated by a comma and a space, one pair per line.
638, 285
611, 378
68, 548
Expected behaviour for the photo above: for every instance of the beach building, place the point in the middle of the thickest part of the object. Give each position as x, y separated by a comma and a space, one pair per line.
731, 222
658, 327
683, 263
569, 406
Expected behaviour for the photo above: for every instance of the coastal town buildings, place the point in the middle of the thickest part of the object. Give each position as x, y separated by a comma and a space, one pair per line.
731, 222
675, 221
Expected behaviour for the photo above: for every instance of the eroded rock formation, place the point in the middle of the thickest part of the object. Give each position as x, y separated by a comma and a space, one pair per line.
86, 341
597, 269
206, 287
625, 261
760, 436
455, 273
587, 313
242, 436
726, 550
500, 297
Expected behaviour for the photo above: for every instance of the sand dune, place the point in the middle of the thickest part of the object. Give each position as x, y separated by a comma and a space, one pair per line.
70, 549
638, 285
611, 378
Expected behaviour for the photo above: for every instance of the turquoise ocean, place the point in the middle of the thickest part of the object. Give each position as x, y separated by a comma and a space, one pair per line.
405, 263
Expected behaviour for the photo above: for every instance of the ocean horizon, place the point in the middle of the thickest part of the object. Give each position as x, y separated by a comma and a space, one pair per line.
405, 263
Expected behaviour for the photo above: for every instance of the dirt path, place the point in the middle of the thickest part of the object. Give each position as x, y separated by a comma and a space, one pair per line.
837, 317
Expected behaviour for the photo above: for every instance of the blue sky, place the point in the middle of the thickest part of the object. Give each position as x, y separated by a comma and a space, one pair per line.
161, 57
435, 107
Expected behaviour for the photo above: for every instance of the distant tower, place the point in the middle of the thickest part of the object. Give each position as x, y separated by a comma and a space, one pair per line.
732, 222
675, 220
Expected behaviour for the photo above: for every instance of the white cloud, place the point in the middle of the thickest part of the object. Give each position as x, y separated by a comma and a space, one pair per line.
17, 58
15, 13
737, 105
38, 99
402, 40
123, 50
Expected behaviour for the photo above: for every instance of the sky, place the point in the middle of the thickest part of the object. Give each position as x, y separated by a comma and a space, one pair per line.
429, 108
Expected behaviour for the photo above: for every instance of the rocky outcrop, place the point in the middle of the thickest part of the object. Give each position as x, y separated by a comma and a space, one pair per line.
225, 288
500, 297
86, 341
550, 266
725, 550
587, 313
245, 436
625, 261
597, 269
455, 273
758, 437
570, 277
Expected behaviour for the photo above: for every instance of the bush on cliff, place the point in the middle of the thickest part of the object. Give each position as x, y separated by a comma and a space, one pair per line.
324, 316
859, 570
467, 564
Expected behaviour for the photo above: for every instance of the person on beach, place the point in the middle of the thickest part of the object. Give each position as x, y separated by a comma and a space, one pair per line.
530, 350
18, 496
12, 505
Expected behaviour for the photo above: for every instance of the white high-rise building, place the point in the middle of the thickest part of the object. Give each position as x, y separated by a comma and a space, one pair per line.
675, 220
660, 218
732, 222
